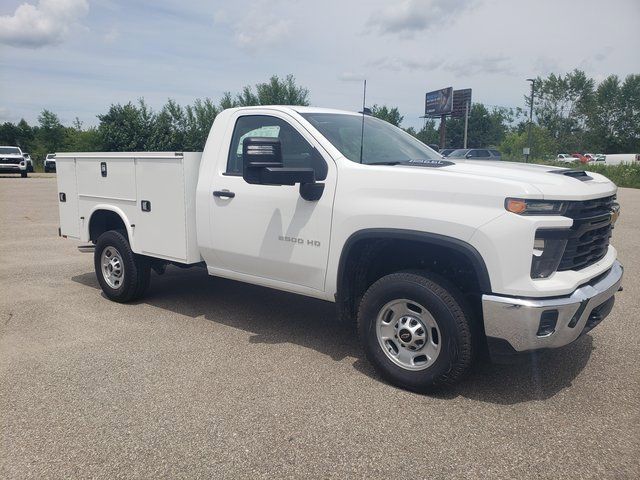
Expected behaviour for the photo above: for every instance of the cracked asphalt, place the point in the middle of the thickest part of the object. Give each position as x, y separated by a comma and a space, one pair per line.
209, 378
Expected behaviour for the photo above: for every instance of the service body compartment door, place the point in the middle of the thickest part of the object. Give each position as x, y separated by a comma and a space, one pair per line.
109, 177
161, 229
68, 197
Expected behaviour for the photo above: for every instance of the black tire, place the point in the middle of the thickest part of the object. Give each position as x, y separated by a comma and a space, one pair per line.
46, 170
30, 169
136, 268
451, 314
23, 174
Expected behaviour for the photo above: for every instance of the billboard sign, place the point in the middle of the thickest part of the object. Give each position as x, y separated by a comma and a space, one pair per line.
461, 98
439, 102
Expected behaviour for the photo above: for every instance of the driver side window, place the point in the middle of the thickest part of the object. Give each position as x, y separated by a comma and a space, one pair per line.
296, 151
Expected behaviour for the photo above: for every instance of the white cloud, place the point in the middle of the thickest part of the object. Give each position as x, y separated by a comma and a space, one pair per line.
351, 77
256, 27
481, 65
47, 23
411, 16
397, 63
112, 35
257, 32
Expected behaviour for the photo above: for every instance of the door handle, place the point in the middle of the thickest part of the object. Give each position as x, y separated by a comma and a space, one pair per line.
223, 194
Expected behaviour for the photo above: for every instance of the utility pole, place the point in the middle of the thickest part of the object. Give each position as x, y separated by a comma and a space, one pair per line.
443, 127
466, 123
528, 149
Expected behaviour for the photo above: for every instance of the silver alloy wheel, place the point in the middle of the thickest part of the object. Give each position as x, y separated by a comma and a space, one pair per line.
408, 334
112, 267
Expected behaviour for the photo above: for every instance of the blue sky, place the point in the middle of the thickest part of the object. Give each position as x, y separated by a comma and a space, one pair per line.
76, 57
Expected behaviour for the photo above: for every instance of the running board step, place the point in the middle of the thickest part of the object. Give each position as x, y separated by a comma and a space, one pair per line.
86, 248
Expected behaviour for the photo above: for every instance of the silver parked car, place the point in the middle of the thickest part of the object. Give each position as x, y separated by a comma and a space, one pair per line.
476, 154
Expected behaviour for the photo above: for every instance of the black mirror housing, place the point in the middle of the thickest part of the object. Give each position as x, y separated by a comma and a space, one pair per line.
262, 164
258, 154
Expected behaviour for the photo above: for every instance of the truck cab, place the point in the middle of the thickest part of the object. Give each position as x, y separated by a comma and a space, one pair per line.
434, 259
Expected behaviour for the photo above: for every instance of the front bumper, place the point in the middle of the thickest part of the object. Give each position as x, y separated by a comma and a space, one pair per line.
515, 325
12, 168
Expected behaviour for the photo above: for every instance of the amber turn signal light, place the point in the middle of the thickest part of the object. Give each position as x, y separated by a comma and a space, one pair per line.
515, 205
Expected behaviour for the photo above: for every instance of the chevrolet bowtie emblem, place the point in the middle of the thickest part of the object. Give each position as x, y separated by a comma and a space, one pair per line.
615, 213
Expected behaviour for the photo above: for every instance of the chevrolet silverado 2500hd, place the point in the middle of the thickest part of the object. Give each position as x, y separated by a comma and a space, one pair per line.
434, 258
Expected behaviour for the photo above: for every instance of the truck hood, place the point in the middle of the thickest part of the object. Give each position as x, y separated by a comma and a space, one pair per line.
552, 182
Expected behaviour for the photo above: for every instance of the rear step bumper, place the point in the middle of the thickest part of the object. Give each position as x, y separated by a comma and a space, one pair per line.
517, 325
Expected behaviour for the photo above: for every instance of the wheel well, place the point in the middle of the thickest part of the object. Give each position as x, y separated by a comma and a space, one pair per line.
103, 221
367, 259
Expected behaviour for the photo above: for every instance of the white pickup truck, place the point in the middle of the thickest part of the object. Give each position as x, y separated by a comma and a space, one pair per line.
12, 161
435, 259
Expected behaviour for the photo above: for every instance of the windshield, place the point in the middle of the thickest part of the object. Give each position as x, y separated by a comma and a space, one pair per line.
9, 151
460, 153
383, 143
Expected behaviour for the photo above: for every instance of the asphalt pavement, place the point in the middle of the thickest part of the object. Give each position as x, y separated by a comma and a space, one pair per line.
210, 378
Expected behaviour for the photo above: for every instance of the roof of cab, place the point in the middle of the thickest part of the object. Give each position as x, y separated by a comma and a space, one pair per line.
300, 109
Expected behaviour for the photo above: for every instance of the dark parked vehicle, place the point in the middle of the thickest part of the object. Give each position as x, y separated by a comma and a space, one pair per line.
445, 152
476, 154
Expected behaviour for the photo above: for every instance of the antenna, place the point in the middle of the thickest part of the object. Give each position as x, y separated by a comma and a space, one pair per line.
364, 98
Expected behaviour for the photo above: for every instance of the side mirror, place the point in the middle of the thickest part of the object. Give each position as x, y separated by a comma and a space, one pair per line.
262, 164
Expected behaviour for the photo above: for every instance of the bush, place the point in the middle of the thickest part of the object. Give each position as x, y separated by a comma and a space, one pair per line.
625, 175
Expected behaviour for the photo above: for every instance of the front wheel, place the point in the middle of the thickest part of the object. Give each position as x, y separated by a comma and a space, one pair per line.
23, 174
416, 330
123, 275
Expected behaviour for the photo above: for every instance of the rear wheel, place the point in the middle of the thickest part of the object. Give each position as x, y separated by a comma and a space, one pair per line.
416, 330
123, 275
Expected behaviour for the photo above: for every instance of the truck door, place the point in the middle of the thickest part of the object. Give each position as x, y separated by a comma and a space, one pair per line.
267, 231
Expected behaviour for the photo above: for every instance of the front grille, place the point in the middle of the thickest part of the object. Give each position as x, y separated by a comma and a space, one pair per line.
590, 234
9, 161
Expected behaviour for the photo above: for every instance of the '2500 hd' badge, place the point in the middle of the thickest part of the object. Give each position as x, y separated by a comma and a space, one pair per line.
299, 241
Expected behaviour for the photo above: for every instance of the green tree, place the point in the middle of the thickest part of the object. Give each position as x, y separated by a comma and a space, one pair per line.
388, 114
486, 127
227, 101
627, 124
126, 127
428, 134
199, 119
169, 128
542, 144
51, 134
276, 91
561, 106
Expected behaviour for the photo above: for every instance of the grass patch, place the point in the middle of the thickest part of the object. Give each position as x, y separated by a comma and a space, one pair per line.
624, 175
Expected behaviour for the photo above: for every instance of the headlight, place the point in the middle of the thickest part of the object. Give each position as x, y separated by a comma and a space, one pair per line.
548, 248
535, 207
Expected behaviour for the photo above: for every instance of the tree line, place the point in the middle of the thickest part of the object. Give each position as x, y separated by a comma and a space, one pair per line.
572, 113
